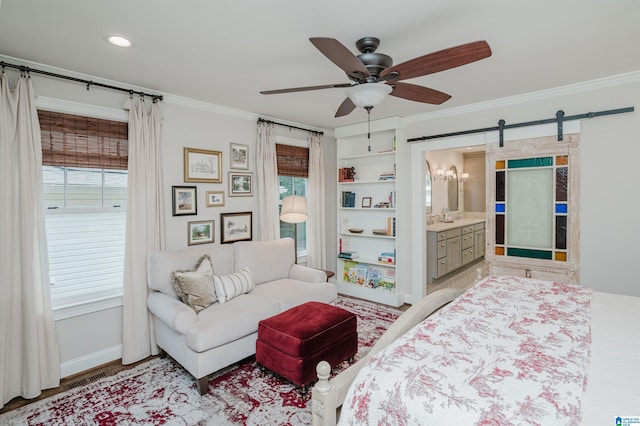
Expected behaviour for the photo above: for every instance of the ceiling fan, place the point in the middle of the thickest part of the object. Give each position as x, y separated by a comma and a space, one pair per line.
374, 76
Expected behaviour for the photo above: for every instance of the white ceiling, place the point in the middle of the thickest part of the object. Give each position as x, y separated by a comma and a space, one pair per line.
225, 52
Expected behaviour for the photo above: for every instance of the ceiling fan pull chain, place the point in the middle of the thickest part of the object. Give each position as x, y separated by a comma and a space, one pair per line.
369, 108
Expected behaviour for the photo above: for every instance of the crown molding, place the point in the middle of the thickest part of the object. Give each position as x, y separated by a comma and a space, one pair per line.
586, 86
231, 112
207, 106
99, 112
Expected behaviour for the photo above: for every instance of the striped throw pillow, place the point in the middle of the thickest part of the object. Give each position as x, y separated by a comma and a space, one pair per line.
232, 285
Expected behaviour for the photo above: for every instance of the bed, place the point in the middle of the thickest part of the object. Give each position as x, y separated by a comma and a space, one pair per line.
509, 350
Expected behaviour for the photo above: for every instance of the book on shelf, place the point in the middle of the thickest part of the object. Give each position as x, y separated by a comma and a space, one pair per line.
387, 279
361, 274
349, 269
391, 226
346, 174
348, 199
373, 277
348, 255
387, 257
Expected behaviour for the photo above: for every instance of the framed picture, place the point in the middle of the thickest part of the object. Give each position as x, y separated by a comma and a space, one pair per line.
240, 184
215, 198
239, 156
201, 165
200, 232
235, 227
184, 200
366, 201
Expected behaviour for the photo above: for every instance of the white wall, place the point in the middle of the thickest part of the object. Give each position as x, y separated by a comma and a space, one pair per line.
609, 150
474, 187
93, 339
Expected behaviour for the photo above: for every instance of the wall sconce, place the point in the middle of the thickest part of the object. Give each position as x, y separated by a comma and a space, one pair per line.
450, 175
463, 177
439, 174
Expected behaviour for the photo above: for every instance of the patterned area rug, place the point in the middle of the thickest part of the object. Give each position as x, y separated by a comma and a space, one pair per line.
162, 392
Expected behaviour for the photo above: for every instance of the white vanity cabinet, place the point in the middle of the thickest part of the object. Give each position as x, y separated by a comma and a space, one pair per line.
451, 246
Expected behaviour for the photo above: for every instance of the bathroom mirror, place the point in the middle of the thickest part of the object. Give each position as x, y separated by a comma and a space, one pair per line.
452, 185
427, 187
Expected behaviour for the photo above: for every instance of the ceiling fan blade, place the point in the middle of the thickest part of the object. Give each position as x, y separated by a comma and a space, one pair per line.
413, 92
341, 56
345, 108
304, 89
440, 61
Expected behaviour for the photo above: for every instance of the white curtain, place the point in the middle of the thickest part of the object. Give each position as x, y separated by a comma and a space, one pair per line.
145, 228
316, 241
29, 355
267, 183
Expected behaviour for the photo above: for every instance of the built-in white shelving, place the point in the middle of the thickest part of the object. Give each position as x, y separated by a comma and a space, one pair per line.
374, 207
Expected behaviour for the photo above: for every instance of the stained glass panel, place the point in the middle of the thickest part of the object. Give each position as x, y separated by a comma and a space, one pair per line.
561, 232
561, 256
530, 208
530, 162
535, 254
500, 186
562, 183
499, 229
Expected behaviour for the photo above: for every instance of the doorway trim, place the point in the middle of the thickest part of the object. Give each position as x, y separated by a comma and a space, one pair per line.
418, 210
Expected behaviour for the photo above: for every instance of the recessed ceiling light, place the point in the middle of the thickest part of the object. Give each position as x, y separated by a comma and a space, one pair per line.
119, 41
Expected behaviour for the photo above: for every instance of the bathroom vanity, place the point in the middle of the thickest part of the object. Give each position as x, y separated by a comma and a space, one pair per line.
450, 246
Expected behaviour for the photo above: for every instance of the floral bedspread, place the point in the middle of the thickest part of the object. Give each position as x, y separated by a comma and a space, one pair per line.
509, 351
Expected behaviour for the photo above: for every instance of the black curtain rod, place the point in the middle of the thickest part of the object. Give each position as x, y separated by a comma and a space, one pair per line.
262, 120
89, 83
559, 119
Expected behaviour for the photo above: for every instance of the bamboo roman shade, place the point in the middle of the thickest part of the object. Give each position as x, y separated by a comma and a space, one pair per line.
75, 141
292, 160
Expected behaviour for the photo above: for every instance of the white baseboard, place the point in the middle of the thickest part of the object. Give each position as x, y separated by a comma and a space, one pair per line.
84, 363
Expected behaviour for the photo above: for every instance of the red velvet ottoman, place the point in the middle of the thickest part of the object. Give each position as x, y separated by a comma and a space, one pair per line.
293, 342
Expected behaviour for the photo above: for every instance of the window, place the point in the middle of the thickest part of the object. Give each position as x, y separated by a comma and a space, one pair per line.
287, 186
85, 194
293, 171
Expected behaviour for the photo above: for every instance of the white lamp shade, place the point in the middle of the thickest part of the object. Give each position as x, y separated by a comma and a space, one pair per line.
368, 94
294, 209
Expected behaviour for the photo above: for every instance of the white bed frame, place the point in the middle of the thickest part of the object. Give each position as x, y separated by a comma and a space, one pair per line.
328, 395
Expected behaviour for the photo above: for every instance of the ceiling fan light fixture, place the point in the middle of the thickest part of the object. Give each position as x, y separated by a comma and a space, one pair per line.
368, 94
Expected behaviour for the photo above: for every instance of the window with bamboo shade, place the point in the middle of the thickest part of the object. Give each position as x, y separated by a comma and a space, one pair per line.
85, 180
292, 160
76, 141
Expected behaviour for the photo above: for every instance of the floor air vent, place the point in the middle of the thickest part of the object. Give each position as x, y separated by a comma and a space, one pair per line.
85, 380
